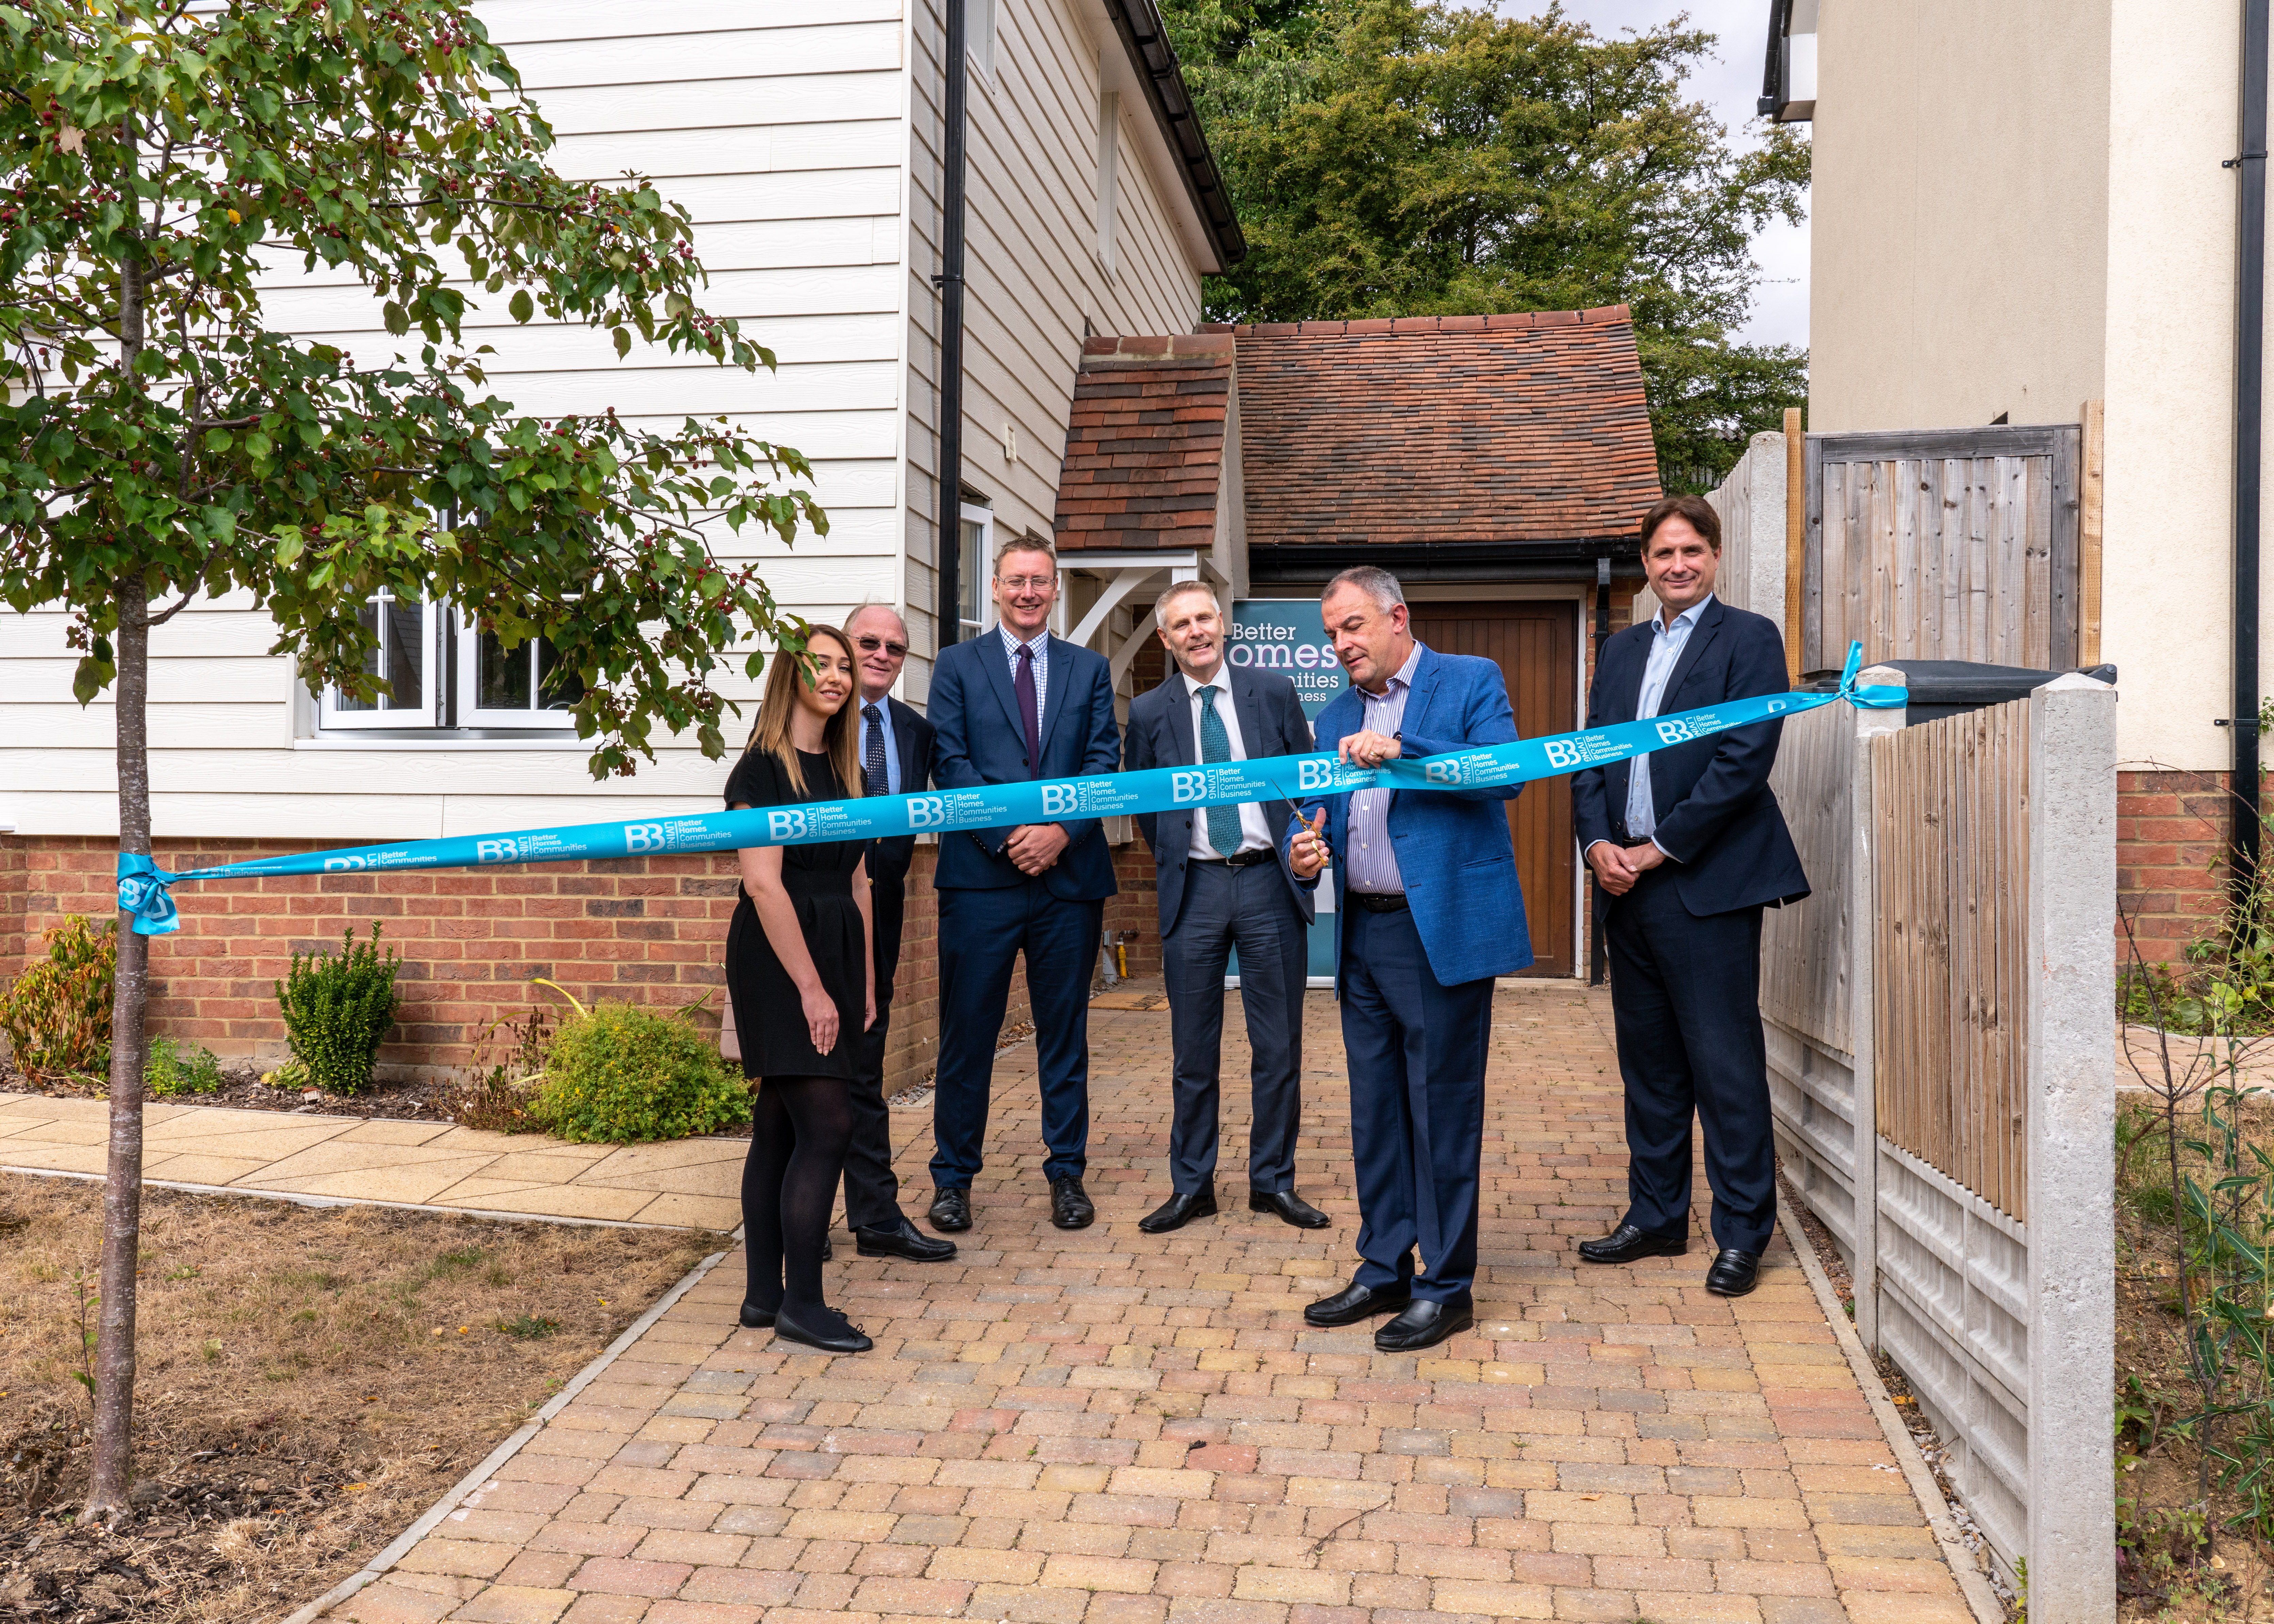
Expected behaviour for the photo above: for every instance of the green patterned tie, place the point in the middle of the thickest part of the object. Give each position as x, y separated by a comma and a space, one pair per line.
1216, 746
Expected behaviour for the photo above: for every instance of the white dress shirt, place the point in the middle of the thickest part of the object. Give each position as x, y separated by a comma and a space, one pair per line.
1666, 645
1370, 864
1254, 835
1040, 645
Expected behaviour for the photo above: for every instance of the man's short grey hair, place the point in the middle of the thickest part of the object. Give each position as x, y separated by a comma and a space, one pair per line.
1177, 588
854, 618
1371, 579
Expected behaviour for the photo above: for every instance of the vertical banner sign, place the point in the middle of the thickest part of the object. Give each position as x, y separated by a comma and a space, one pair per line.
1286, 634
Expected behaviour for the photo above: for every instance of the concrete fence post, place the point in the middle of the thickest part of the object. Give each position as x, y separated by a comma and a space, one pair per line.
2072, 1160
1863, 910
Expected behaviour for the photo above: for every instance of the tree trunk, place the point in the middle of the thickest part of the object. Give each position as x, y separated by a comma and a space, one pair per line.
122, 1190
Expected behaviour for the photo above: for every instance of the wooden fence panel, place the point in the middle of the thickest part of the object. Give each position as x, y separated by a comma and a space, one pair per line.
1959, 544
1950, 799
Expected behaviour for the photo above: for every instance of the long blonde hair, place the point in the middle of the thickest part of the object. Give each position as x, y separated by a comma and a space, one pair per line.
840, 735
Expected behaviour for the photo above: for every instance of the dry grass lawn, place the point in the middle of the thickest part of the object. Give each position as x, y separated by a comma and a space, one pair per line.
311, 1382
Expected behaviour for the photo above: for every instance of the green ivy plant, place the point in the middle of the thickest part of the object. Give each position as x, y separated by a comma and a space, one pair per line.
337, 1011
161, 438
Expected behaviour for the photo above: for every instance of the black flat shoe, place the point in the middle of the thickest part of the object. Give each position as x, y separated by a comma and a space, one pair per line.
826, 1329
1178, 1211
1354, 1302
1292, 1208
901, 1240
1733, 1273
756, 1318
1070, 1207
1626, 1243
1425, 1324
828, 1249
951, 1210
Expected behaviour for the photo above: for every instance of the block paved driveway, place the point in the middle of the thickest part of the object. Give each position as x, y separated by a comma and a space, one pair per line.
1104, 1427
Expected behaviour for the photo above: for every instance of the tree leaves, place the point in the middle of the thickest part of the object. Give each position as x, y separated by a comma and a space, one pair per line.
1397, 157
216, 454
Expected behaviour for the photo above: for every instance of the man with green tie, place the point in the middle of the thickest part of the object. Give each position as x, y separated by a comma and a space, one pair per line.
1223, 883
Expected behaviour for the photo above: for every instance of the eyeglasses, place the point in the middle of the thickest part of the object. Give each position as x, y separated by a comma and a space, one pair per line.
869, 645
1026, 583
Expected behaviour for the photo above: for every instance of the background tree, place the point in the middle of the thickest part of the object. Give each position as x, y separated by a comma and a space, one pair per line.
1401, 157
159, 439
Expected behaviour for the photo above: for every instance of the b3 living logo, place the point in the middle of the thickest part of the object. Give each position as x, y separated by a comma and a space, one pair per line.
1675, 731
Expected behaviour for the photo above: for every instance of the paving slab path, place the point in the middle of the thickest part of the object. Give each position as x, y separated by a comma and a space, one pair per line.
691, 1182
1104, 1427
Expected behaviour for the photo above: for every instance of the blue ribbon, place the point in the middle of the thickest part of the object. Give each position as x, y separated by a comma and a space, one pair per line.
143, 889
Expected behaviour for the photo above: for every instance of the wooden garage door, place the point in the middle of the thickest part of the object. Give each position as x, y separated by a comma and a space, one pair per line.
1536, 646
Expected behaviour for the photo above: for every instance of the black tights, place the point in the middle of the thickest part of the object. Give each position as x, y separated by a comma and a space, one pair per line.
799, 1129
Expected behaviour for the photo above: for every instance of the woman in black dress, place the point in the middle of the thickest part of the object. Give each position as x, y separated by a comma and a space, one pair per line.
797, 969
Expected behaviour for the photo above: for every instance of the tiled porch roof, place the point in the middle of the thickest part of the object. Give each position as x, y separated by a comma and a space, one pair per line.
1144, 458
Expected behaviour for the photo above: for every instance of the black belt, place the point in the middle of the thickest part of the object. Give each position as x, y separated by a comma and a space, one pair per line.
1379, 901
1243, 859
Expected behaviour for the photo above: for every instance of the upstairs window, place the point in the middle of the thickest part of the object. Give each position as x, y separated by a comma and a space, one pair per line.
447, 674
527, 686
410, 638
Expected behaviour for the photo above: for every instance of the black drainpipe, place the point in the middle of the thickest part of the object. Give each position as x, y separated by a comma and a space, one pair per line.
2249, 415
948, 548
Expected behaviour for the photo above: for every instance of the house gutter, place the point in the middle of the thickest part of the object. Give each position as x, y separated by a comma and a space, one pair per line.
1147, 42
2249, 431
947, 547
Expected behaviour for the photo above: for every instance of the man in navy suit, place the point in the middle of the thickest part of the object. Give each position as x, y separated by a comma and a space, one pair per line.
895, 760
1015, 703
1429, 913
1689, 846
1224, 884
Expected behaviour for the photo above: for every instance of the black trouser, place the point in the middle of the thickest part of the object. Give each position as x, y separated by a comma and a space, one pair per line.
1248, 908
1686, 1003
872, 1194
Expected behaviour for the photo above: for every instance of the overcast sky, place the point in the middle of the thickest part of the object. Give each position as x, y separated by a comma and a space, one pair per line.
1729, 85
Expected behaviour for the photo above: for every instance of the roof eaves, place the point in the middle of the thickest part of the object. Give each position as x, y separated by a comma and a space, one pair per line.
1146, 40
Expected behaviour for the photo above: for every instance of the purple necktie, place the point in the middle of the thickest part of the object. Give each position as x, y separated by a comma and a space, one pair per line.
1029, 713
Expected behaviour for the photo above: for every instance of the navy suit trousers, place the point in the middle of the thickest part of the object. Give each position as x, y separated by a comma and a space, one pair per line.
982, 932
1686, 1003
1416, 1050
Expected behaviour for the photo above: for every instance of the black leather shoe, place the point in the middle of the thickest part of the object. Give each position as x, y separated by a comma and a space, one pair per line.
1733, 1273
1292, 1208
1354, 1302
758, 1318
903, 1240
1178, 1211
1070, 1207
826, 1329
1626, 1242
951, 1210
1424, 1325
828, 1249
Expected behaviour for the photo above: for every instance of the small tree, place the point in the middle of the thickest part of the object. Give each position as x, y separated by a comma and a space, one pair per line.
158, 439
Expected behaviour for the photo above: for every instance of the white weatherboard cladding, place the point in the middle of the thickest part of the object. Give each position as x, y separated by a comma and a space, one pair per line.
780, 129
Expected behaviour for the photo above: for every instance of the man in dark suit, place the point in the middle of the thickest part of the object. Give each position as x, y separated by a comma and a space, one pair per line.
1430, 913
895, 760
1689, 846
1223, 884
1012, 704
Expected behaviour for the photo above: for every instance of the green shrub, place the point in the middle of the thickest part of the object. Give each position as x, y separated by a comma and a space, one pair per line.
180, 1068
337, 1011
620, 1074
58, 1014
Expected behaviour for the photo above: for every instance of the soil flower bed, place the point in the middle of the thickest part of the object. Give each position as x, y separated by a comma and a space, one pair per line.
311, 1380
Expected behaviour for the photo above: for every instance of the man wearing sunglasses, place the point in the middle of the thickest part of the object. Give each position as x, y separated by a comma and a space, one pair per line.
895, 760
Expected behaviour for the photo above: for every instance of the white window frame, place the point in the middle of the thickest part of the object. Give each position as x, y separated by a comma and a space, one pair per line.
426, 714
1109, 181
470, 711
978, 576
983, 22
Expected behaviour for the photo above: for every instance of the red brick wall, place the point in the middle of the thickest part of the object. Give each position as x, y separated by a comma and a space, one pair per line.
649, 930
2172, 830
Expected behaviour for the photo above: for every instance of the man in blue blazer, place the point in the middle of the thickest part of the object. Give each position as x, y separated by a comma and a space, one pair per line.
1015, 703
1428, 912
1689, 846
